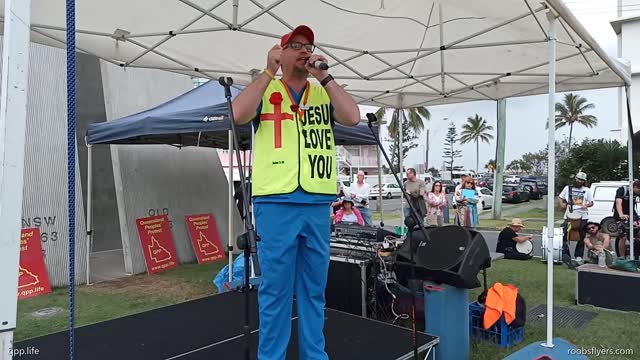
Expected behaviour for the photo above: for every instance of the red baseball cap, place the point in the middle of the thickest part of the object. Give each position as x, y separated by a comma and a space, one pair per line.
303, 30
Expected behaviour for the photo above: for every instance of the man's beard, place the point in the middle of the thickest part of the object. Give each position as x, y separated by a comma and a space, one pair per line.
300, 71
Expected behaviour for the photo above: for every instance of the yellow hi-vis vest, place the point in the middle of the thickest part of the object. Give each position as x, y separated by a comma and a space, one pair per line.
294, 145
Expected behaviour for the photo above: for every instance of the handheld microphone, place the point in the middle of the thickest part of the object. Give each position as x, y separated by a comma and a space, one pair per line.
320, 65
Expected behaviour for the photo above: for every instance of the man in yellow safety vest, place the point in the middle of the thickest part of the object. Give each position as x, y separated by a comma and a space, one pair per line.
294, 181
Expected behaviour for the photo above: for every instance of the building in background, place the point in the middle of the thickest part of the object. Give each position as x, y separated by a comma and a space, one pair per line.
129, 181
627, 28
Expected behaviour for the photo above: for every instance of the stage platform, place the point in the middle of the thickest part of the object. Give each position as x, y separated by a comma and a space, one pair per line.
211, 328
607, 288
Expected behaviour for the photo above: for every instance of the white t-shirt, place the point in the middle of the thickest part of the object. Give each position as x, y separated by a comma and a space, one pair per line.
351, 218
361, 192
579, 196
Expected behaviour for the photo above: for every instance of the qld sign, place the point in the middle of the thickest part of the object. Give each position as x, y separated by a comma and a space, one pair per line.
33, 279
205, 238
157, 243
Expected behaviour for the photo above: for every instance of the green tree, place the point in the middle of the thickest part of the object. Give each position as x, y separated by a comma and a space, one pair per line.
573, 110
492, 164
602, 160
449, 152
408, 142
476, 130
415, 119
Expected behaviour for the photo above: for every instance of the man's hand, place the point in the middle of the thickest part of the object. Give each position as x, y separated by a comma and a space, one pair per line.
317, 73
273, 59
624, 217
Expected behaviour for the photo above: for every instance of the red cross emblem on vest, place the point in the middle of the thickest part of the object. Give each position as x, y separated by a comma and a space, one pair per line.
277, 117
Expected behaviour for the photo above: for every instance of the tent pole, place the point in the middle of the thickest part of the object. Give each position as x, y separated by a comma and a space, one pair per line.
380, 182
498, 172
89, 208
630, 156
231, 198
13, 119
400, 163
551, 174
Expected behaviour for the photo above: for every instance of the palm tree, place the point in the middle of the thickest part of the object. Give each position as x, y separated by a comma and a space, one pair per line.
414, 120
476, 129
572, 110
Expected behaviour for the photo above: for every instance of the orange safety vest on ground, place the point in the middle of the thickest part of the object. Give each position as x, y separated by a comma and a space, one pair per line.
500, 299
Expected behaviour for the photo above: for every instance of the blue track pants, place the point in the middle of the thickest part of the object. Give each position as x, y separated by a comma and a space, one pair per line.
294, 259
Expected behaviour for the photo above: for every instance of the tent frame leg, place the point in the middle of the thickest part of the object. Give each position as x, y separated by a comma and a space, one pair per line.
551, 16
13, 119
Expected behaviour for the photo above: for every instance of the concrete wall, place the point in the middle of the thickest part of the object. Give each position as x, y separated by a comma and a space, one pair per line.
91, 109
160, 179
631, 52
45, 175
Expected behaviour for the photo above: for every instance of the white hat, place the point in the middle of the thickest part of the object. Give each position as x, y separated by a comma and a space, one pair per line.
581, 176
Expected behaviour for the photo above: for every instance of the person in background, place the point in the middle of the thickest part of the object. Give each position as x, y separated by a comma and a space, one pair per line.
509, 238
597, 242
416, 191
348, 213
360, 192
436, 203
621, 214
466, 204
337, 204
576, 199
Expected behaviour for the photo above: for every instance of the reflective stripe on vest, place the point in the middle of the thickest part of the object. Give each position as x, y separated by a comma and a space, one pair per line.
292, 150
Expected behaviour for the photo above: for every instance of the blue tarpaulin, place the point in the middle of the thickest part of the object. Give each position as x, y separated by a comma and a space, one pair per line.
197, 118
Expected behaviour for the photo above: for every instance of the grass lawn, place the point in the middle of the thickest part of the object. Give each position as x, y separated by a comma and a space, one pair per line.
534, 219
609, 329
388, 215
140, 293
115, 299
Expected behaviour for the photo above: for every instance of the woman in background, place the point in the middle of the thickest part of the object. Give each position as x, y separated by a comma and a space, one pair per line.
436, 203
348, 213
467, 204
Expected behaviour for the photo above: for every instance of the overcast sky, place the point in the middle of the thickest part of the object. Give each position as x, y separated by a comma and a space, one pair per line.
526, 116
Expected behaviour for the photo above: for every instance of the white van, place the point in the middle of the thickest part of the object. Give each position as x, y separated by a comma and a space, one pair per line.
604, 195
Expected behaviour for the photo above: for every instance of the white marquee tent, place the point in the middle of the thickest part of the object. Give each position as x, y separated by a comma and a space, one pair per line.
395, 53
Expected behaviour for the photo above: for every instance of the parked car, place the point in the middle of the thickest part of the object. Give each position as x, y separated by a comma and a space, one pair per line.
512, 179
486, 198
535, 192
514, 194
389, 190
484, 182
449, 185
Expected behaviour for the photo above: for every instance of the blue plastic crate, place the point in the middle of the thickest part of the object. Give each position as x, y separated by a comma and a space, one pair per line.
500, 333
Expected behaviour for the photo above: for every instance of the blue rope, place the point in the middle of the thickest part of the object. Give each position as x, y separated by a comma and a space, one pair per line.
71, 164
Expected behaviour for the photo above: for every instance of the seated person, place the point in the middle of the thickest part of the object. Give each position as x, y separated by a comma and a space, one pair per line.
348, 213
597, 242
508, 239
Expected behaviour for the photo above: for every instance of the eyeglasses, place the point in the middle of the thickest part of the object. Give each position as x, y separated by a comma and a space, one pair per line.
592, 228
295, 45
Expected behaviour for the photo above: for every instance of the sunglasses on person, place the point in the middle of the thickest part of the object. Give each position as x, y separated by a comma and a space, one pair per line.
295, 45
592, 228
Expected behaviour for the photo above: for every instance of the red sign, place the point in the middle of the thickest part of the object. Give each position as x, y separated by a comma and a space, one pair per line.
33, 279
157, 243
205, 238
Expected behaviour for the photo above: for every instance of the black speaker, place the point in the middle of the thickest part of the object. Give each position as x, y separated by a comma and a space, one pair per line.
448, 254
